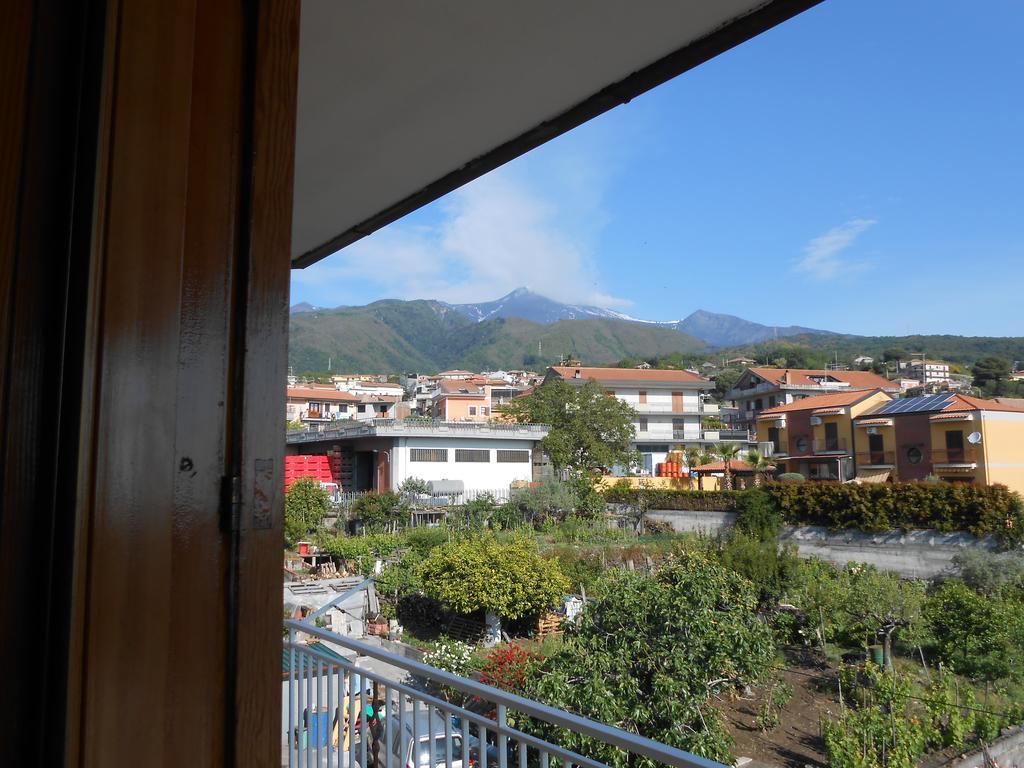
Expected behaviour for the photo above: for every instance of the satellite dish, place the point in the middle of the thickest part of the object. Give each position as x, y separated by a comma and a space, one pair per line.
974, 438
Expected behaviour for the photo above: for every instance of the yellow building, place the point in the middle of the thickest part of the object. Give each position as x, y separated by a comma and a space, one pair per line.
815, 436
955, 437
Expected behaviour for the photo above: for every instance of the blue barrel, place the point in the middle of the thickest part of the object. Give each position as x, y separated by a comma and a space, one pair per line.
319, 733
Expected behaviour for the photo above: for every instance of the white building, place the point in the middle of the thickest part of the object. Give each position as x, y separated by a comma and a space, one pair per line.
474, 456
928, 371
669, 406
372, 388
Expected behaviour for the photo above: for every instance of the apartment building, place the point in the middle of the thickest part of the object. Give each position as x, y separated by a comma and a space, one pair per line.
759, 389
462, 400
319, 405
871, 437
928, 371
373, 389
669, 406
816, 435
953, 436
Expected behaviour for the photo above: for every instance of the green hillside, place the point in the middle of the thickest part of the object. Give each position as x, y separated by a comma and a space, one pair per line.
389, 336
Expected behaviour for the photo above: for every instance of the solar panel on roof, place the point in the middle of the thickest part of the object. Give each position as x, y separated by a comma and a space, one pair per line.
916, 404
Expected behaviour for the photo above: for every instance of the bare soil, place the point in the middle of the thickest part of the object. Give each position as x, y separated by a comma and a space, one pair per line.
796, 742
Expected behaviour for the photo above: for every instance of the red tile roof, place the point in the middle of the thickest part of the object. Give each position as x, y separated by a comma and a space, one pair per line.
967, 403
833, 400
460, 387
802, 377
626, 374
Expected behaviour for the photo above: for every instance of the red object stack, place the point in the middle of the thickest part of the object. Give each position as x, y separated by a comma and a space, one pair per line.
318, 467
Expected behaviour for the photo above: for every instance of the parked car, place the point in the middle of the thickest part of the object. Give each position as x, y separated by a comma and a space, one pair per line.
430, 745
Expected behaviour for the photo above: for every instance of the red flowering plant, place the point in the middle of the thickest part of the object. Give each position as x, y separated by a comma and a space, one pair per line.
509, 667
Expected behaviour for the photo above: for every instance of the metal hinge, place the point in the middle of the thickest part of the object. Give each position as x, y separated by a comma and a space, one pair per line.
230, 503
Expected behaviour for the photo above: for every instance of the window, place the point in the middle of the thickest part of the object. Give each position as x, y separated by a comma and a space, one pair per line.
643, 397
314, 406
361, 408
831, 436
428, 454
472, 454
472, 410
342, 409
773, 438
510, 456
484, 410
771, 401
914, 454
759, 404
801, 444
643, 424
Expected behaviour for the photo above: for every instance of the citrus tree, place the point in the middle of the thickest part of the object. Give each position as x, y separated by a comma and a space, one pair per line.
649, 653
506, 579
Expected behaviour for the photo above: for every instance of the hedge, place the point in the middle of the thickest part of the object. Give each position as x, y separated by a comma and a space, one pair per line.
977, 509
700, 501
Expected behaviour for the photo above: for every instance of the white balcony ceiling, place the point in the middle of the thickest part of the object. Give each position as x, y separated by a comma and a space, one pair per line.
400, 103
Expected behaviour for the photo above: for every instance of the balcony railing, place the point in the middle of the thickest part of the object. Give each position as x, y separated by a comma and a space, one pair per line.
834, 445
330, 722
876, 459
716, 435
966, 455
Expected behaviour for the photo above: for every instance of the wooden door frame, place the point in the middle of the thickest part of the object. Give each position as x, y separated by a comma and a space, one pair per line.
146, 238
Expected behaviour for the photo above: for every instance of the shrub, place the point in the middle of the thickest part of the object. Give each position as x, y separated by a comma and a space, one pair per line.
552, 500
376, 511
791, 477
758, 515
700, 501
509, 667
305, 505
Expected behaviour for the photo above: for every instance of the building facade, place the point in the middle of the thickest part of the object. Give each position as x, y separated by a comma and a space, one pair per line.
468, 456
928, 371
670, 406
815, 436
759, 389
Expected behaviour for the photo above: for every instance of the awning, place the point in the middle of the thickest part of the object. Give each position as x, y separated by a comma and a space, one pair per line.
398, 105
872, 475
873, 422
828, 411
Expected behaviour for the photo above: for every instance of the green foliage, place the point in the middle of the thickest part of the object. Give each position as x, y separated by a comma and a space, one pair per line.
549, 500
361, 550
758, 515
768, 567
977, 509
777, 698
305, 506
990, 372
482, 573
412, 486
590, 431
980, 636
648, 653
726, 379
880, 731
378, 511
700, 501
988, 572
791, 477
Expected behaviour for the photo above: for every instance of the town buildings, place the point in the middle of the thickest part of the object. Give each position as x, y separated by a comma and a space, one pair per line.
316, 405
759, 389
670, 406
871, 437
462, 400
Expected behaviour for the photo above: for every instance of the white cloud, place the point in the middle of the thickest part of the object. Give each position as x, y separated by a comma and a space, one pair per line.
823, 257
492, 236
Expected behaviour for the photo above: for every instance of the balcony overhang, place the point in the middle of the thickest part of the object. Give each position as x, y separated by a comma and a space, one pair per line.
397, 109
874, 423
954, 416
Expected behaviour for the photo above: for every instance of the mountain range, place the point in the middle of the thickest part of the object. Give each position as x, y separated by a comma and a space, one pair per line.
521, 329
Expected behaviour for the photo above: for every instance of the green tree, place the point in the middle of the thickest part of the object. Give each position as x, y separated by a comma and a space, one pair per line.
649, 653
880, 605
379, 511
979, 636
508, 579
590, 430
990, 373
725, 380
305, 506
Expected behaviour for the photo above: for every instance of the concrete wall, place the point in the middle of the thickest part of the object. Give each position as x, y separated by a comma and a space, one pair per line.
1006, 751
918, 554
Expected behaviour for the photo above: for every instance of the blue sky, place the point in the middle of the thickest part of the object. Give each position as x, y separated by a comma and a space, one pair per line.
859, 168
